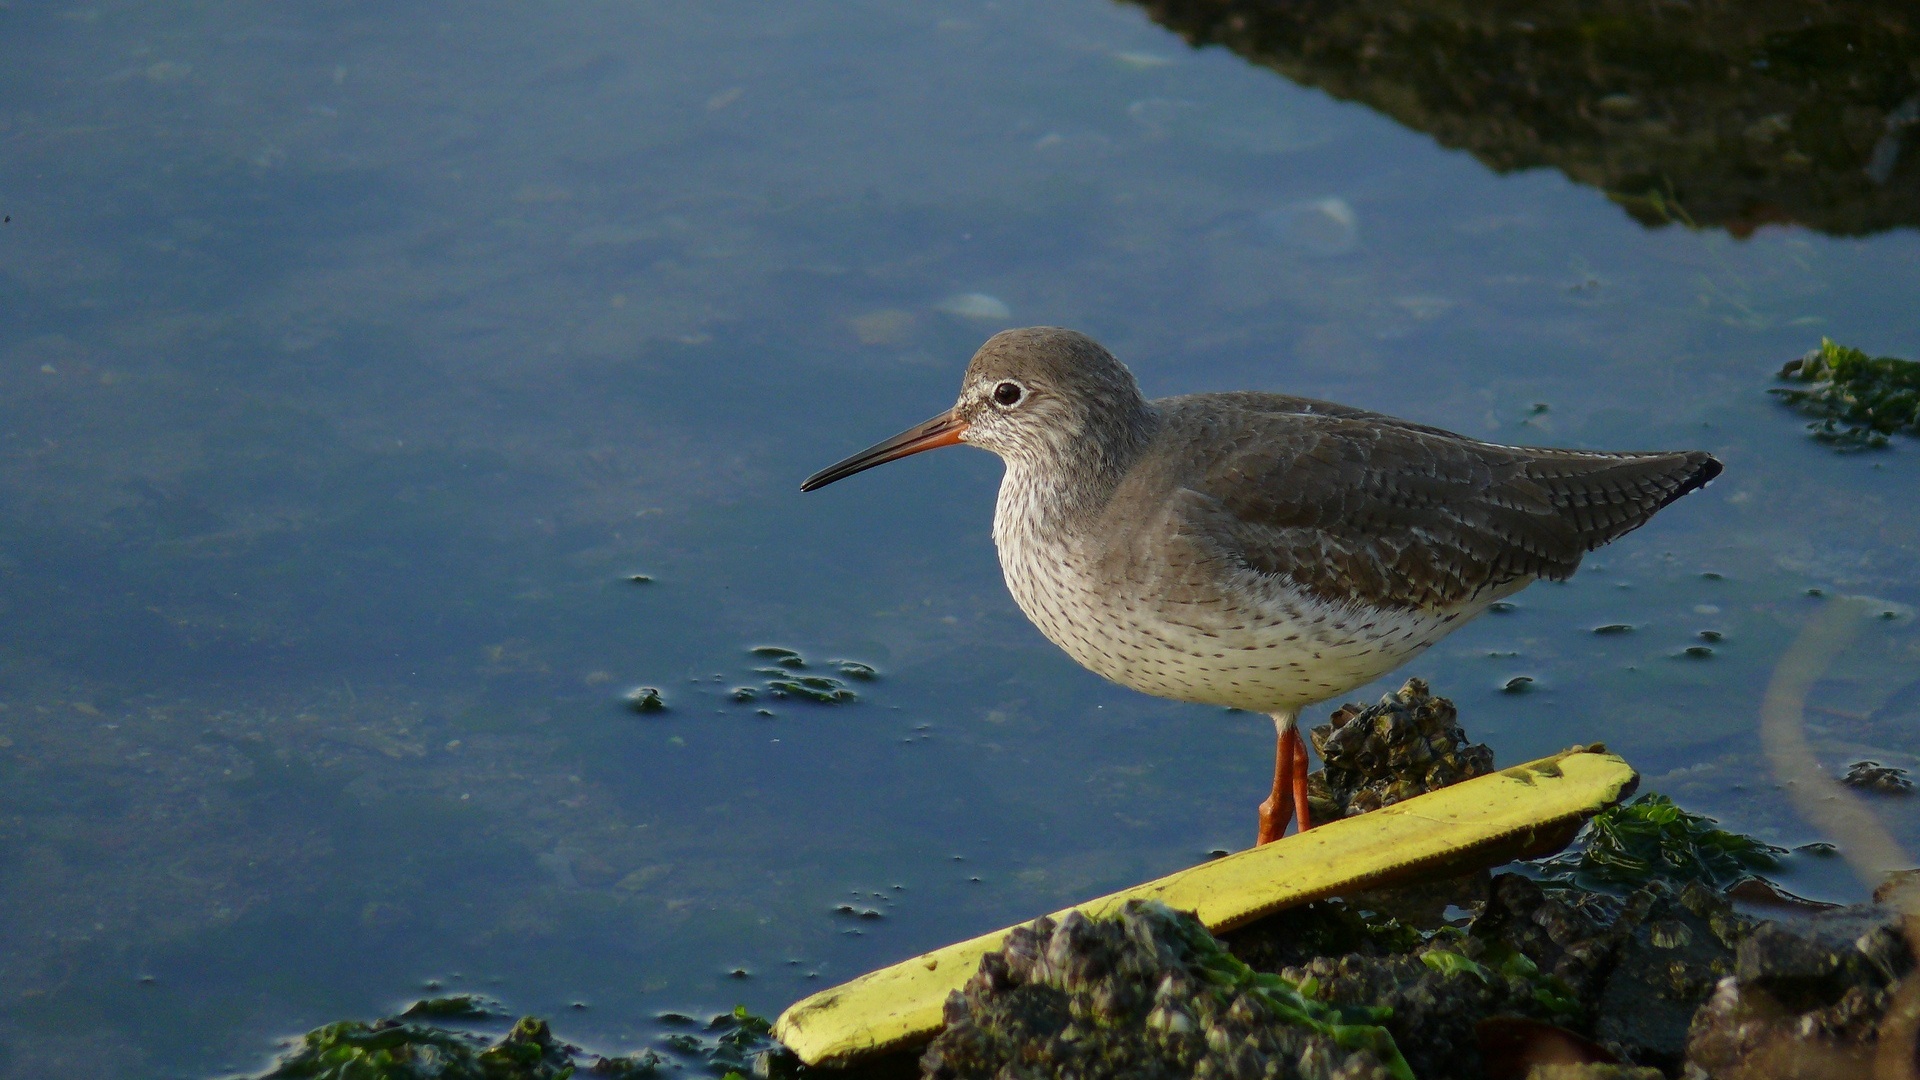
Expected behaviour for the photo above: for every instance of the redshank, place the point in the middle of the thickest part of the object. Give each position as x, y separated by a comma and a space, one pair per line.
1256, 550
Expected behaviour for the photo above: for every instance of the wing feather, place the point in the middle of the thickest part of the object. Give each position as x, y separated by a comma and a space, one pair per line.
1357, 507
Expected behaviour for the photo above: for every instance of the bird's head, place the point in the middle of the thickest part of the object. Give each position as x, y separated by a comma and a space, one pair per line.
1035, 394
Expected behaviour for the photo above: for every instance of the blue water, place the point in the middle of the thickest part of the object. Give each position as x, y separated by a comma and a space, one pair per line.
353, 359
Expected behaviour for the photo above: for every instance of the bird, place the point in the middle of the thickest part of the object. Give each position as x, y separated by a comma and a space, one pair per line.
1256, 550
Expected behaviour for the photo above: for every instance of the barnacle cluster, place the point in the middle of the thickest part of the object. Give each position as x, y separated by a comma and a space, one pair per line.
1407, 744
1810, 997
1147, 993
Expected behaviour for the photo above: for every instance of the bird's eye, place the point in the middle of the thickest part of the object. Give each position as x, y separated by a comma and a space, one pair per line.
1007, 393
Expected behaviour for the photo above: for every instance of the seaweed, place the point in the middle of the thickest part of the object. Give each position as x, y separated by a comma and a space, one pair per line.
396, 1050
733, 1044
454, 1007
788, 678
1857, 401
1650, 839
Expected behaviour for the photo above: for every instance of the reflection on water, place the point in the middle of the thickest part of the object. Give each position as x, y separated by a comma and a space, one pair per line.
354, 361
1703, 114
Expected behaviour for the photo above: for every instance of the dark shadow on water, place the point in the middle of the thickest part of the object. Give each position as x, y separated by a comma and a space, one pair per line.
1709, 115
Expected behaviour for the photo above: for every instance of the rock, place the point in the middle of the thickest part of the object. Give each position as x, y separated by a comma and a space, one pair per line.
1807, 999
1322, 928
1426, 905
1407, 744
1149, 994
1668, 955
1811, 963
1875, 777
1565, 934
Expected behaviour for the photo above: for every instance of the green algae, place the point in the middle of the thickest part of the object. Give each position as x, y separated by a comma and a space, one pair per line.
1147, 991
407, 1047
788, 677
1352, 1027
1651, 839
454, 1007
395, 1050
784, 657
1858, 402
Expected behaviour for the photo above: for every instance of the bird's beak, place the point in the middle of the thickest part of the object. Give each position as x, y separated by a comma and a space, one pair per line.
942, 430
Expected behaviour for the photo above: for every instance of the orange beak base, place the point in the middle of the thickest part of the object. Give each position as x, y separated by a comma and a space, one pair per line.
942, 430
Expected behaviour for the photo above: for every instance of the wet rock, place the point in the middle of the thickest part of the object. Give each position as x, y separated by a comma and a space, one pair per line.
1407, 744
1807, 998
1147, 993
1427, 905
1635, 969
1565, 934
1813, 962
1668, 954
645, 699
1440, 987
1435, 1007
1875, 777
1321, 928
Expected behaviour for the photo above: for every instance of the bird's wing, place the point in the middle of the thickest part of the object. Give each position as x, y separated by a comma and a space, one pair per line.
1361, 508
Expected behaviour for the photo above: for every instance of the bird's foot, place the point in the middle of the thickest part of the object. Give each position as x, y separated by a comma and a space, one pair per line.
1274, 815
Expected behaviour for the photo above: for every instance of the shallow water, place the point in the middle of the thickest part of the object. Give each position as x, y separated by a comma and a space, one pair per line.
353, 360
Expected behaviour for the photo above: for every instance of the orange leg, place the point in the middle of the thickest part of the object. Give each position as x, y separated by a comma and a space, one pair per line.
1289, 761
1278, 809
1300, 767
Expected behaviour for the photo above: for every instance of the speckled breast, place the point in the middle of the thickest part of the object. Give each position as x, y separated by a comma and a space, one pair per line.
1262, 645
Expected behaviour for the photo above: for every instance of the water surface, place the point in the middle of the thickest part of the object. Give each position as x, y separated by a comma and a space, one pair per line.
353, 361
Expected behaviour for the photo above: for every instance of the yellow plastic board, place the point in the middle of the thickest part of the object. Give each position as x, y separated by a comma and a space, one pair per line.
1520, 812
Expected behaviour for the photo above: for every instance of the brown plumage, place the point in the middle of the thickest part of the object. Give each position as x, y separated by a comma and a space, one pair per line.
1257, 550
1357, 507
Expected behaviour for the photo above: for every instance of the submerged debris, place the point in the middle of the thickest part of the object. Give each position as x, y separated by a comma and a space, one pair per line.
1873, 776
1147, 993
1650, 839
1857, 401
1407, 744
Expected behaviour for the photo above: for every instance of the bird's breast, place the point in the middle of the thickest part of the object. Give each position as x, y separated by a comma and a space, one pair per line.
1239, 639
